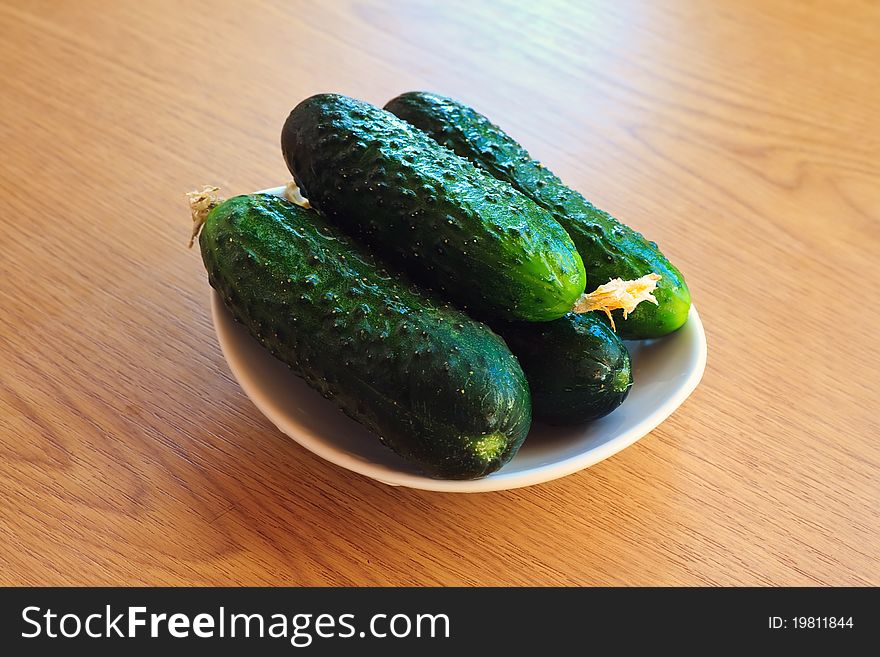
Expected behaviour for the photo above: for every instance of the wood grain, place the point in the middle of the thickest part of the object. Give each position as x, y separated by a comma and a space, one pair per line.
742, 136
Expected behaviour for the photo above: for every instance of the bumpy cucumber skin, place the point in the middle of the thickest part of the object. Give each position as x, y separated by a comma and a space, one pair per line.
608, 248
578, 369
438, 388
431, 213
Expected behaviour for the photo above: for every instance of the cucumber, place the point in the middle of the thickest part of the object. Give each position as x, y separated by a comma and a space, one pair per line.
578, 369
451, 226
608, 248
437, 387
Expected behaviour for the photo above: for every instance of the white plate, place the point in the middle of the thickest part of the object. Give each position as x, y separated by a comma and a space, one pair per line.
665, 372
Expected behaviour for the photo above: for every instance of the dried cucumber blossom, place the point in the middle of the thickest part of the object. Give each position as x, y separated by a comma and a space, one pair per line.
200, 205
618, 293
202, 202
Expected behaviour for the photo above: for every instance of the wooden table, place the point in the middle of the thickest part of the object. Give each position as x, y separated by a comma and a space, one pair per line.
742, 136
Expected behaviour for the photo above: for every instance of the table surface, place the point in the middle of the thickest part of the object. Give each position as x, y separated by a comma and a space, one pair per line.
742, 136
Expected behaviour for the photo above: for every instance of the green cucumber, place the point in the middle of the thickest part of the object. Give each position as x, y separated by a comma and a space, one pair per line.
450, 225
578, 369
608, 248
437, 387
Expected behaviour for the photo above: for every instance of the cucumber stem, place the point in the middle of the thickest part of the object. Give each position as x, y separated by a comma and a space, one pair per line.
292, 194
618, 293
200, 205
